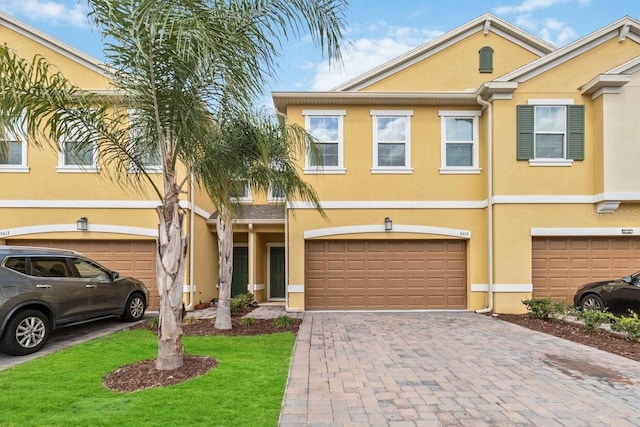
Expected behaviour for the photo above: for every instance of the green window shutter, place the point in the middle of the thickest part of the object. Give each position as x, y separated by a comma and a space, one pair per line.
486, 59
525, 132
575, 132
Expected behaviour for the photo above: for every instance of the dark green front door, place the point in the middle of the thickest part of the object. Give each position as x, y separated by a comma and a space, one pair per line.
240, 278
276, 272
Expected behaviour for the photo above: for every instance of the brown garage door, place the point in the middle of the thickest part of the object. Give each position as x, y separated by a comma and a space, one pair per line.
391, 274
562, 264
135, 258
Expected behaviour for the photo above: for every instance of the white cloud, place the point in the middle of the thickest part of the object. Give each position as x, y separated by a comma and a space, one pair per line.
557, 32
367, 53
526, 6
56, 12
550, 29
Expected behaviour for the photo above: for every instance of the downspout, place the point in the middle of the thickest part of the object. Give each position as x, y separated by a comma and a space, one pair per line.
192, 216
252, 245
488, 106
286, 258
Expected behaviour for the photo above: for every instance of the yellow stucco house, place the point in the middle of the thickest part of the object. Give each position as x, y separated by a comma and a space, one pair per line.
477, 170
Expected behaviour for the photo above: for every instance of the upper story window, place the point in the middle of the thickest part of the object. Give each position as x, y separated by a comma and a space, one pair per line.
76, 154
327, 127
486, 59
242, 192
13, 152
276, 194
146, 158
459, 140
391, 141
550, 133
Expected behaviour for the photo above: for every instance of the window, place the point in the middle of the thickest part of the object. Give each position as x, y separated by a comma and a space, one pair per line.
327, 127
276, 193
391, 141
148, 158
88, 270
242, 192
50, 267
18, 264
486, 59
551, 134
77, 155
13, 153
459, 139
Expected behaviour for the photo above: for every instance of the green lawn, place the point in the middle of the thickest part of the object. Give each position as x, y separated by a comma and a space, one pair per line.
65, 388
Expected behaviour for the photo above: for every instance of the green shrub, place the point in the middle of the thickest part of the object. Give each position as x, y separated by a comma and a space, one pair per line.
593, 319
629, 325
249, 321
282, 321
543, 308
153, 323
240, 302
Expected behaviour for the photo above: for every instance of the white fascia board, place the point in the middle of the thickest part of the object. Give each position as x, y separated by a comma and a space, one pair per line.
392, 204
52, 43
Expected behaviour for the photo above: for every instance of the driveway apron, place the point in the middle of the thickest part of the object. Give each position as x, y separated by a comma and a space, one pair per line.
451, 368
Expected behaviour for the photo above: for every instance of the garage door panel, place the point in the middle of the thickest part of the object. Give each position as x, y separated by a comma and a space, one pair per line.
560, 265
386, 274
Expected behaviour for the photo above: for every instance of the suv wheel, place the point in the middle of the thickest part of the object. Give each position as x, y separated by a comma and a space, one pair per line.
134, 310
26, 333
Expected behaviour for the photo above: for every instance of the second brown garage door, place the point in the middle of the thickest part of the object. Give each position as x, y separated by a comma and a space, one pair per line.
135, 258
385, 274
560, 265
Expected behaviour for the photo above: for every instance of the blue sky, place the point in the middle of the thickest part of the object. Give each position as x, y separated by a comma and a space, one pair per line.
377, 30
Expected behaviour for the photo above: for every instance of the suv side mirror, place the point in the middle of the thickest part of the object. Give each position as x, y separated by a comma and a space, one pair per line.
114, 275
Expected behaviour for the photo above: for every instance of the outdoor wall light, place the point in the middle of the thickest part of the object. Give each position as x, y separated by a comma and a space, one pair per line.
388, 224
82, 224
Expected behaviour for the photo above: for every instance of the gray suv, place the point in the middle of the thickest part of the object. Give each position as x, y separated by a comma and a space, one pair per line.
42, 289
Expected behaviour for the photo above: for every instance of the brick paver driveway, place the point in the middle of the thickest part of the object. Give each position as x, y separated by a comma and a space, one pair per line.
451, 368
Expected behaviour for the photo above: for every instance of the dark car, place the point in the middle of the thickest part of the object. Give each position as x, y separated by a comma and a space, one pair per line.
618, 296
42, 289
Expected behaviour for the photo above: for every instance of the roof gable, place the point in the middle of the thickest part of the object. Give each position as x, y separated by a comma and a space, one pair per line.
623, 29
52, 43
483, 24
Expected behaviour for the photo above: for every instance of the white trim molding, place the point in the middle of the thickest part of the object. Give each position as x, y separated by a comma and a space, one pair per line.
295, 289
379, 228
503, 287
391, 204
585, 231
8, 233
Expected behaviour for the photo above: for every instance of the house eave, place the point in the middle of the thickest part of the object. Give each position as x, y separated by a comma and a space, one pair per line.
282, 100
54, 44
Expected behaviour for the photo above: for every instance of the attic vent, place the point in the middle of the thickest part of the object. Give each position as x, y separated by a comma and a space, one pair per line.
486, 59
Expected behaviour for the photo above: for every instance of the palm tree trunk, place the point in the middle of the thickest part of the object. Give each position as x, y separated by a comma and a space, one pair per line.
225, 249
170, 260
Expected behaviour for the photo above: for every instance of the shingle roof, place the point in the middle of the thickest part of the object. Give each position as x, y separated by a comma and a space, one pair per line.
272, 213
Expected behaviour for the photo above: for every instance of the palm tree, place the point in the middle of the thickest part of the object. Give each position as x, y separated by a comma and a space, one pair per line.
175, 63
255, 149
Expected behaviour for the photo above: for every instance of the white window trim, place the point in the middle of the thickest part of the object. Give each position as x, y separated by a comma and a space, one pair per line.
247, 199
406, 169
462, 170
145, 168
544, 102
93, 168
272, 199
22, 167
62, 167
330, 170
551, 161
